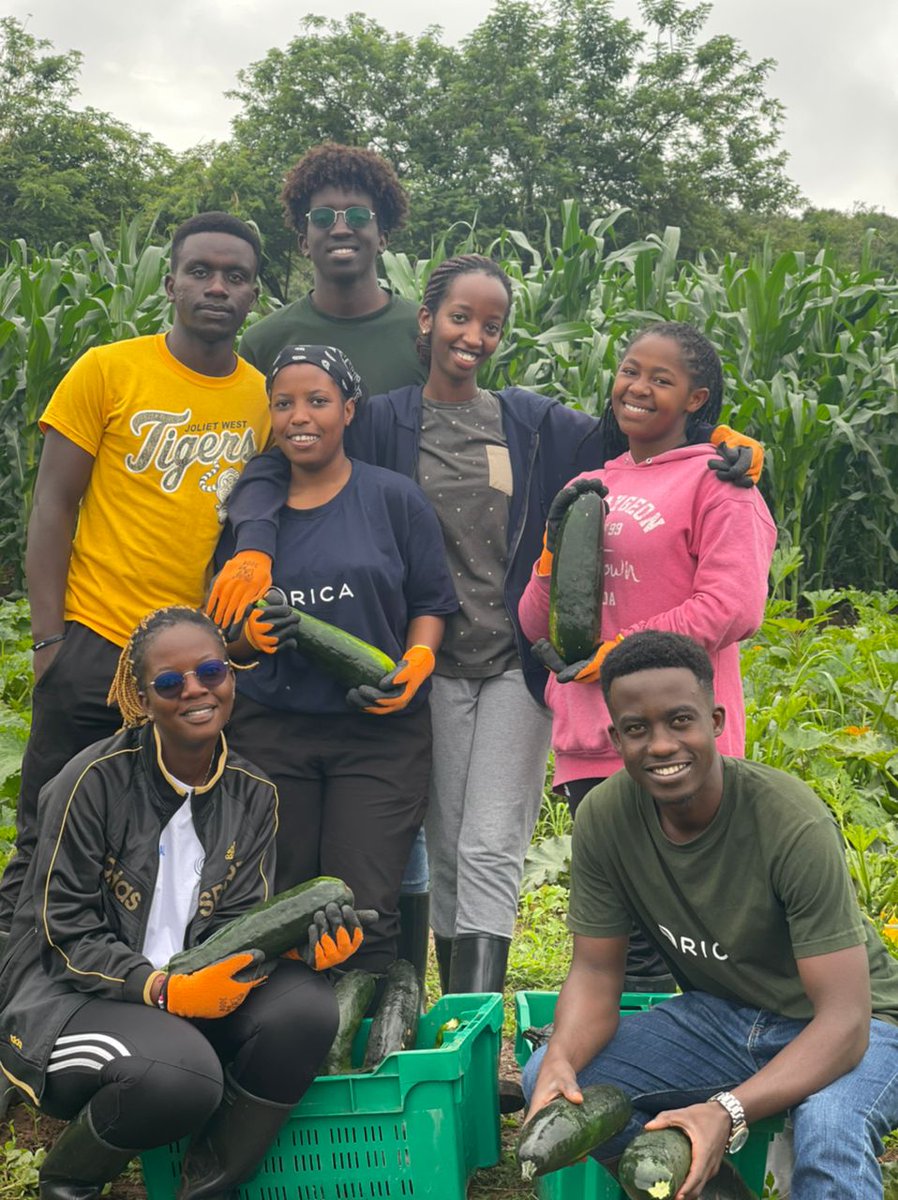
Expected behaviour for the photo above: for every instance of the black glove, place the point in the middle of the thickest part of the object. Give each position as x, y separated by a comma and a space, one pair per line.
272, 628
732, 465
335, 934
563, 501
546, 654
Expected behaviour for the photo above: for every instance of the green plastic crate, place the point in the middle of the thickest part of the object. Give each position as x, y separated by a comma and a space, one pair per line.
417, 1126
589, 1180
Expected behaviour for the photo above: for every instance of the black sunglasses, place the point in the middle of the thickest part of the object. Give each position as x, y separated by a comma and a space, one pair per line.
170, 684
356, 216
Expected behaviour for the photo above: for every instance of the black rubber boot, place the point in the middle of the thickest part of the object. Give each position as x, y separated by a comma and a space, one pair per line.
228, 1150
79, 1164
414, 933
479, 962
443, 947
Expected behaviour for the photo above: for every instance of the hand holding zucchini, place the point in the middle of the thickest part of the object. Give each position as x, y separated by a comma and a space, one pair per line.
335, 934
274, 926
576, 532
397, 688
655, 1164
351, 661
588, 670
213, 991
272, 629
563, 1132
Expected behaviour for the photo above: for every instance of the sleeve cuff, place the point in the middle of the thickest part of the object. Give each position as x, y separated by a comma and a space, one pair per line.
138, 982
258, 535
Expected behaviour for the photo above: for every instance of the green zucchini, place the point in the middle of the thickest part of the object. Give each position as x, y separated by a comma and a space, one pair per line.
351, 661
354, 992
563, 1132
655, 1164
273, 926
395, 1023
575, 591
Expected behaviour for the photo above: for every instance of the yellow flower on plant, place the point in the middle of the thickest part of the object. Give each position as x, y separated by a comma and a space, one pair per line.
857, 730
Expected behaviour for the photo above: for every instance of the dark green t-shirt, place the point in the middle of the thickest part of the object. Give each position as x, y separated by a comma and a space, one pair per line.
381, 344
766, 883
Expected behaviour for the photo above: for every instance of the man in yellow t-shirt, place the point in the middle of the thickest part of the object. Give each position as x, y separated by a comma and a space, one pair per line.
144, 440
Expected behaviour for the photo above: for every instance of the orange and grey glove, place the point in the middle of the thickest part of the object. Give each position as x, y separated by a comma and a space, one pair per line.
740, 459
557, 509
334, 935
272, 628
213, 991
587, 670
241, 582
396, 689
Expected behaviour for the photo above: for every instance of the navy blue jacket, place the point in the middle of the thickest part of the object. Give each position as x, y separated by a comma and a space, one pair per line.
548, 445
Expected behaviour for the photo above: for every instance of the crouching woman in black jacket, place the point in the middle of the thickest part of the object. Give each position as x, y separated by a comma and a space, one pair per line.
149, 842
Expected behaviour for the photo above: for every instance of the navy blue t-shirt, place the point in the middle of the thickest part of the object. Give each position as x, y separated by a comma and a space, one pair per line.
368, 561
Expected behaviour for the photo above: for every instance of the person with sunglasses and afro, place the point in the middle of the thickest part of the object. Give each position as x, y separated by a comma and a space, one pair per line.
151, 841
343, 203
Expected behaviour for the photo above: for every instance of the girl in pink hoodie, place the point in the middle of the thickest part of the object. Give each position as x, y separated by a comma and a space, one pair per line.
684, 552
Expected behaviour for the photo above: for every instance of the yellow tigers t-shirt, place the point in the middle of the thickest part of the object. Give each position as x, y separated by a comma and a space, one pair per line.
168, 447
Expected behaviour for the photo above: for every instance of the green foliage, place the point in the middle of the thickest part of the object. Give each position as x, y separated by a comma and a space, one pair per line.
19, 1169
540, 952
15, 711
63, 171
580, 102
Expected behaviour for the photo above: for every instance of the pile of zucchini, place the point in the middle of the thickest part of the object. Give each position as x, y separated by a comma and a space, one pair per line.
395, 1023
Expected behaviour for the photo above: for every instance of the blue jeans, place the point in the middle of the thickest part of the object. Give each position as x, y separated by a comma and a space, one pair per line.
694, 1045
416, 878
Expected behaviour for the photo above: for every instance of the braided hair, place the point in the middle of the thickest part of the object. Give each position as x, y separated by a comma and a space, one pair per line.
703, 366
440, 281
129, 681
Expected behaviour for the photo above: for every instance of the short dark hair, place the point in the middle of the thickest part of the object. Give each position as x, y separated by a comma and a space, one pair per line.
215, 222
702, 362
652, 650
441, 279
348, 167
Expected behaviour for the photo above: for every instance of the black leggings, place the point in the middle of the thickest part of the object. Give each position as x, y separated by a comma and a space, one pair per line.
152, 1078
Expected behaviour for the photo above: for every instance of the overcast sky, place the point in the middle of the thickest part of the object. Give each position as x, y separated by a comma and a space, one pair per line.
163, 67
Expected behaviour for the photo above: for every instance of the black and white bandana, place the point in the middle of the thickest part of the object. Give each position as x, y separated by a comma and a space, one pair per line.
329, 359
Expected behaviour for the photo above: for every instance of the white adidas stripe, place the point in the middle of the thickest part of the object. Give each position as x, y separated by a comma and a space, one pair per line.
68, 1051
76, 1062
94, 1037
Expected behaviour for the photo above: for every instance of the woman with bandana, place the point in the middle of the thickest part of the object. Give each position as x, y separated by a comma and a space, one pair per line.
361, 548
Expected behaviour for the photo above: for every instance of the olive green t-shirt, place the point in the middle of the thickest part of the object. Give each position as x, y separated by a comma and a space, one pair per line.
765, 884
381, 345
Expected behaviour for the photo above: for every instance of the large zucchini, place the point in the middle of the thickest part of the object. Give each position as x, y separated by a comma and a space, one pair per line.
575, 591
273, 926
655, 1164
354, 992
563, 1132
395, 1023
351, 661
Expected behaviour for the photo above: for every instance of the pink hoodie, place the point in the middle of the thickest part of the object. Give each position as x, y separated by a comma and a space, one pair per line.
684, 552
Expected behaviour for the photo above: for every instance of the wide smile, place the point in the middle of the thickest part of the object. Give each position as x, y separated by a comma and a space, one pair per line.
640, 409
665, 771
200, 714
303, 439
466, 357
342, 251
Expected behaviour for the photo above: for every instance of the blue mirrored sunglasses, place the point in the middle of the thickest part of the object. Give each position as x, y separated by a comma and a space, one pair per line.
356, 216
170, 684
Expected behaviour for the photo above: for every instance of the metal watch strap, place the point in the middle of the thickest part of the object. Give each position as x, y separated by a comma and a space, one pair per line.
738, 1123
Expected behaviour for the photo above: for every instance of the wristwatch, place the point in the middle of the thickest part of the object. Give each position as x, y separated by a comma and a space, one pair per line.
739, 1126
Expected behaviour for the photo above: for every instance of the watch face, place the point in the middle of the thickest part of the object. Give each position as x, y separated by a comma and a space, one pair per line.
738, 1140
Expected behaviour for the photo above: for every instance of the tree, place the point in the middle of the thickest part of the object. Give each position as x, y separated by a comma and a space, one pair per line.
537, 104
63, 172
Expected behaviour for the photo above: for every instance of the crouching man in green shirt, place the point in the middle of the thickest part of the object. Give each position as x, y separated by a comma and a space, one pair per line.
736, 872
